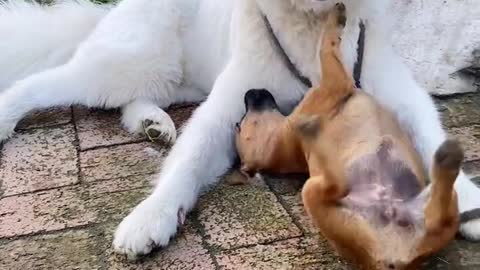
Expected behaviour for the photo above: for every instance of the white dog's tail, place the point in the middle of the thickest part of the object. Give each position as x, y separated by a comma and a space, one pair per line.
36, 37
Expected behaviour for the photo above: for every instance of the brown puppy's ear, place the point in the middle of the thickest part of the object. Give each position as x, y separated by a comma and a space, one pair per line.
308, 126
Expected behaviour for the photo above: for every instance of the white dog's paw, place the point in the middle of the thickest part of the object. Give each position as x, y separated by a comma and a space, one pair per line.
163, 131
470, 224
148, 226
151, 121
469, 206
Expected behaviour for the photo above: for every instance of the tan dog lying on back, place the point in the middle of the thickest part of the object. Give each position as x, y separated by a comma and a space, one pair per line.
366, 190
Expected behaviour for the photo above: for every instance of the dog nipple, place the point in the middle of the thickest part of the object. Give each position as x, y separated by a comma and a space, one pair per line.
388, 214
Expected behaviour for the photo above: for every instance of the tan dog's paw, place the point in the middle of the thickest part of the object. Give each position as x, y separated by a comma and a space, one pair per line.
237, 178
450, 155
336, 21
340, 13
337, 17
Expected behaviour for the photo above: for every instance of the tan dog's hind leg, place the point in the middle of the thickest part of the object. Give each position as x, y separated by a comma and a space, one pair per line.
321, 197
441, 208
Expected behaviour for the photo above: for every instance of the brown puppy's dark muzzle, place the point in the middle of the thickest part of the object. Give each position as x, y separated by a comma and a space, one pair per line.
259, 100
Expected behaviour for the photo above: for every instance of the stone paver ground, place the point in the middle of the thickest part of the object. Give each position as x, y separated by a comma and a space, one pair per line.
70, 174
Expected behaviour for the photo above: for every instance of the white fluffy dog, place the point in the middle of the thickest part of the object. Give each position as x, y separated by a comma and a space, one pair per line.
144, 55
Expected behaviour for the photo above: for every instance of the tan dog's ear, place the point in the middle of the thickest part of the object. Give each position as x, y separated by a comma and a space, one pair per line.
307, 127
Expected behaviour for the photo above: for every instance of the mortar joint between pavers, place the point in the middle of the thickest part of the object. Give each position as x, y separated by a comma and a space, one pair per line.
197, 225
284, 205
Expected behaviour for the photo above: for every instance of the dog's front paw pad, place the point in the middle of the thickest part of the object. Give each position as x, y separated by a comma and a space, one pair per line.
160, 131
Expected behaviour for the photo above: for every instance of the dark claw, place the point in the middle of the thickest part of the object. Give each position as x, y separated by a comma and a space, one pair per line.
147, 123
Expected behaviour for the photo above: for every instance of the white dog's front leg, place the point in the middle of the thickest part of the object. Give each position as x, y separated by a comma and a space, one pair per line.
390, 81
201, 155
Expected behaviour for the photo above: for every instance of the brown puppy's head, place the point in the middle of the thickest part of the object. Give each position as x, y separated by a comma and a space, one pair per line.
256, 133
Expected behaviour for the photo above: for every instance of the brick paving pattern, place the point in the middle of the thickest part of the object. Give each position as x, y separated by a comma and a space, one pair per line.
70, 174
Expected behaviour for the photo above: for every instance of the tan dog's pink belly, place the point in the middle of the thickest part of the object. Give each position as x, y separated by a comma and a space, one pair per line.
383, 188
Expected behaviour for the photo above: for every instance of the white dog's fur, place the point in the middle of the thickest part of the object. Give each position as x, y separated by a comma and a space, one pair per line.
147, 54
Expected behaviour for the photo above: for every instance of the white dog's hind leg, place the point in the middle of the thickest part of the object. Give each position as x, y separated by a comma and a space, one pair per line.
391, 83
202, 153
37, 37
100, 75
143, 116
54, 87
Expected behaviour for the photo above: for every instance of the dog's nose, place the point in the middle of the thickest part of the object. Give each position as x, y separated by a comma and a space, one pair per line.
259, 100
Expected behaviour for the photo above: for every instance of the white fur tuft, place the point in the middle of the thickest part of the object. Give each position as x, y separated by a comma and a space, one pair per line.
37, 37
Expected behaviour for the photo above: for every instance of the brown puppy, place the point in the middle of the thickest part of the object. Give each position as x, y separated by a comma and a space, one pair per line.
366, 190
